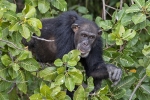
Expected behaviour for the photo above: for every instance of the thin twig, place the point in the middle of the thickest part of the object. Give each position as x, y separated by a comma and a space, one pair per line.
11, 88
110, 7
137, 86
121, 3
12, 81
132, 2
42, 39
11, 44
104, 9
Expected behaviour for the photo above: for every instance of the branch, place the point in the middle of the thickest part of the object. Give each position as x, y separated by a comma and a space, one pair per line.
121, 3
42, 39
11, 44
132, 2
137, 86
110, 7
104, 9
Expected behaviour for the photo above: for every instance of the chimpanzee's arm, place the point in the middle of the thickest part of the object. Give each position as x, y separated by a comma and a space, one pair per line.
97, 68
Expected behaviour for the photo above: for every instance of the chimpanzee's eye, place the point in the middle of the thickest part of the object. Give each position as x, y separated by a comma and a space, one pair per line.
91, 37
84, 35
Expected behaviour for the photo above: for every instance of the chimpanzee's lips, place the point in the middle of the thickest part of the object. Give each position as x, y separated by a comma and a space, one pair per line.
82, 51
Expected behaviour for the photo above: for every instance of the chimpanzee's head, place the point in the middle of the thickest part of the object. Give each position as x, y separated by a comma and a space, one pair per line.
85, 35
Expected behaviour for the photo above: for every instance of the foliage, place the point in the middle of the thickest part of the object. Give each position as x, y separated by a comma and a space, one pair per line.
126, 38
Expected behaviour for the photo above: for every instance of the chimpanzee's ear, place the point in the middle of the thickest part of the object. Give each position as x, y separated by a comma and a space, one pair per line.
99, 32
75, 27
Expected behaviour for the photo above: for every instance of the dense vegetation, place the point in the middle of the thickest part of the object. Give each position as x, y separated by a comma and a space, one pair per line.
126, 36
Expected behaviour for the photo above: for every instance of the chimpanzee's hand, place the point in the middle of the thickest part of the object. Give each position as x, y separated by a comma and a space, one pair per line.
114, 74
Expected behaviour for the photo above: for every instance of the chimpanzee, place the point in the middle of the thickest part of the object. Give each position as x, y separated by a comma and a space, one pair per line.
71, 31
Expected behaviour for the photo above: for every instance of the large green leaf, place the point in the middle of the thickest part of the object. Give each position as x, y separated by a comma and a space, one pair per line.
58, 62
25, 32
148, 70
43, 6
35, 23
146, 50
145, 88
133, 8
126, 82
60, 4
61, 95
21, 83
60, 79
4, 85
129, 34
37, 96
140, 3
6, 60
126, 61
45, 91
76, 75
138, 18
30, 64
69, 83
119, 93
4, 96
79, 94
29, 11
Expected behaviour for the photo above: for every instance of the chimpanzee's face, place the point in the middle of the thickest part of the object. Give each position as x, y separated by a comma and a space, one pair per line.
84, 38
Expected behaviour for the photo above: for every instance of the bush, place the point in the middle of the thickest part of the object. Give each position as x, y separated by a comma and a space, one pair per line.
126, 44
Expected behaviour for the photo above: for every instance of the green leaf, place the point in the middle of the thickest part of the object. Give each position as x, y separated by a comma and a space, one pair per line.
82, 10
133, 8
119, 93
30, 64
24, 55
90, 84
146, 50
48, 73
145, 88
61, 95
72, 63
103, 97
140, 3
65, 58
35, 23
106, 24
119, 42
60, 79
29, 11
60, 4
104, 90
45, 91
14, 27
61, 70
15, 66
126, 19
76, 75
55, 90
148, 5
79, 94
148, 70
126, 61
138, 18
4, 96
36, 97
126, 82
69, 83
58, 62
21, 84
129, 34
6, 60
43, 6
4, 86
10, 15
25, 32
